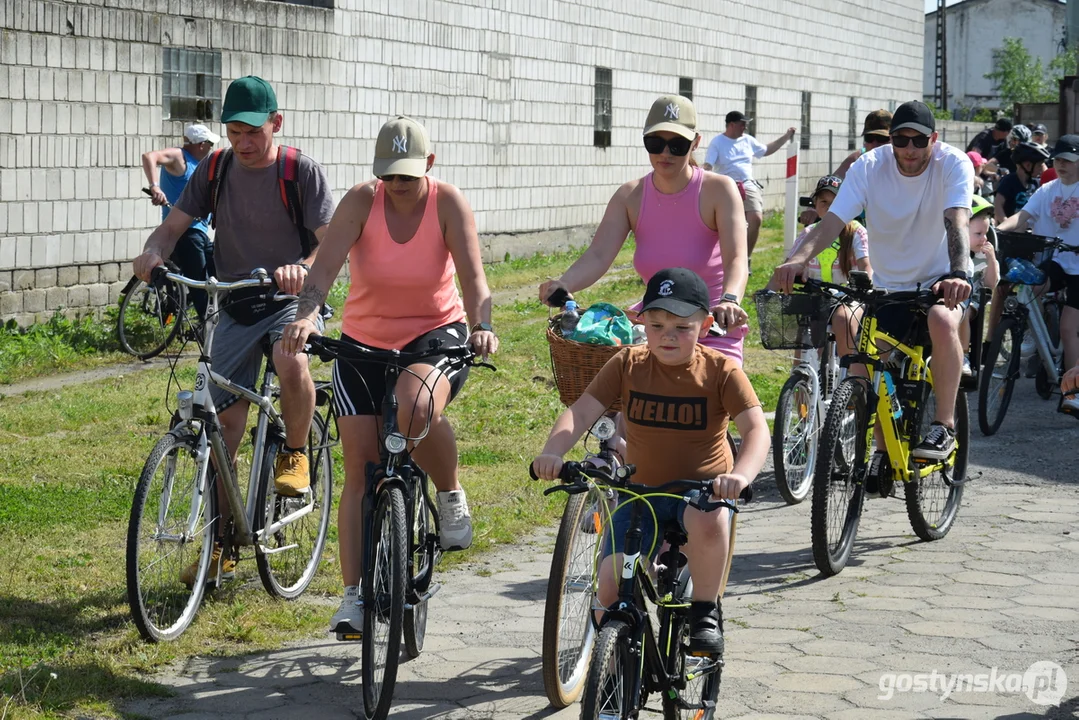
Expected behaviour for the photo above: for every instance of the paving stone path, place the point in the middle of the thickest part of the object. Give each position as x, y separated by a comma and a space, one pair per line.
1001, 591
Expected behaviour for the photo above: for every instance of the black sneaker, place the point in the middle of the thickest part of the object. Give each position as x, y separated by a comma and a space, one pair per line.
705, 628
872, 476
938, 444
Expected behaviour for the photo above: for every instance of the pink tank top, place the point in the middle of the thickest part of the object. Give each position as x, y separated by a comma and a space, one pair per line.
670, 233
399, 291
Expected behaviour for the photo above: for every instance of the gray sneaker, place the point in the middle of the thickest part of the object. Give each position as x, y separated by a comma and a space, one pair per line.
349, 616
454, 521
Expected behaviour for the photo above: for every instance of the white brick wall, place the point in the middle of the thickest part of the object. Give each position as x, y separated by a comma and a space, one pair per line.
506, 93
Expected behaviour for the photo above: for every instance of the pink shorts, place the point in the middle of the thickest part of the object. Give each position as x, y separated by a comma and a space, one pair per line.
730, 344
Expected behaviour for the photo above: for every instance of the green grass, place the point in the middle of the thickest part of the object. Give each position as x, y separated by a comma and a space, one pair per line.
70, 459
57, 345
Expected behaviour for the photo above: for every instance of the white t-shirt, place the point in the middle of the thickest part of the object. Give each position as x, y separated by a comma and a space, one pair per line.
1054, 208
908, 245
734, 157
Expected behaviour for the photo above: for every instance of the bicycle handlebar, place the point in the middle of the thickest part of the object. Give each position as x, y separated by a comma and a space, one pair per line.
160, 274
873, 296
1048, 242
573, 476
328, 349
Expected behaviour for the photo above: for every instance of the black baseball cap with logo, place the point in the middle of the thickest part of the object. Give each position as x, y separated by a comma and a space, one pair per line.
1067, 148
736, 116
679, 291
915, 115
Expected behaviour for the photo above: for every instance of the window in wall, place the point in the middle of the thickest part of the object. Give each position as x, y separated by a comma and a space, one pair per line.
685, 87
191, 84
852, 124
327, 4
807, 101
750, 109
601, 136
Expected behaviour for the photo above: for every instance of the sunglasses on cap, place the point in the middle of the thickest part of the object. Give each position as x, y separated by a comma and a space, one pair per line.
901, 141
402, 178
678, 145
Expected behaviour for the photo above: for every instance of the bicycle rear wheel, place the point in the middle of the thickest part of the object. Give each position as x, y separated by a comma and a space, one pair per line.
384, 602
794, 438
159, 548
289, 557
838, 491
150, 318
424, 558
607, 693
999, 374
568, 631
932, 504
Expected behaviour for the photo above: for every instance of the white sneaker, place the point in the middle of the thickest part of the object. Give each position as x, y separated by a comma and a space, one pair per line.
349, 616
454, 521
1028, 356
967, 371
1070, 406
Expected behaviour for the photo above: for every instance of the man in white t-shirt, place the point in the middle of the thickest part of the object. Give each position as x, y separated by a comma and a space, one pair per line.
732, 154
916, 194
1053, 210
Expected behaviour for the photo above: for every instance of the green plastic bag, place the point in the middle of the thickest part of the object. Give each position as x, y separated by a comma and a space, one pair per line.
603, 324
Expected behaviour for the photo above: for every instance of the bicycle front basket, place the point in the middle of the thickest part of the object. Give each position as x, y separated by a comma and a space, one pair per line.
1022, 246
798, 321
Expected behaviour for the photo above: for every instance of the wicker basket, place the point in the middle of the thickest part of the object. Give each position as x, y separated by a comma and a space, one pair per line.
575, 364
798, 321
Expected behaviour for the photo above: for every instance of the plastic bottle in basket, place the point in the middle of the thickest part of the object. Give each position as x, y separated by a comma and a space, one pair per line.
639, 335
1024, 271
570, 318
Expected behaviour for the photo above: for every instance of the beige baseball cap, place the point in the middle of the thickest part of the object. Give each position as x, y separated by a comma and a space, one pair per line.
672, 113
402, 148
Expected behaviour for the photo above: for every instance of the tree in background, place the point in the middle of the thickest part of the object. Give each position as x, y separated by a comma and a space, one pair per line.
1023, 78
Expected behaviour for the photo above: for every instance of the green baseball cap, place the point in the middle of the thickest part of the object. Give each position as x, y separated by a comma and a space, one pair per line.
249, 100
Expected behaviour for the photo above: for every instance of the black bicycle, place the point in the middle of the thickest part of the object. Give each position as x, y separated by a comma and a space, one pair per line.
401, 533
637, 653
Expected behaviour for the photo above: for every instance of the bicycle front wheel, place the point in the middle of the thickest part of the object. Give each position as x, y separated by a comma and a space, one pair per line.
289, 557
794, 438
932, 503
568, 632
838, 492
607, 693
161, 553
150, 318
999, 374
384, 602
424, 557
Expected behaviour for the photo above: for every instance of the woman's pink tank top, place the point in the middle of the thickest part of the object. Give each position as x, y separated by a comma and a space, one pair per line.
670, 233
399, 291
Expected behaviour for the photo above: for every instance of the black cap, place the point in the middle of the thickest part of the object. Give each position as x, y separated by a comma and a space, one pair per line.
915, 115
1004, 125
736, 116
679, 291
1067, 148
1040, 129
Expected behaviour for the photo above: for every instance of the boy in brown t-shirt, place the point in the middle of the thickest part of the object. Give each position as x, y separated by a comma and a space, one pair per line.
678, 397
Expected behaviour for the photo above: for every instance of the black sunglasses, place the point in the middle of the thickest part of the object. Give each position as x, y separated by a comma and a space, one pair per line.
901, 141
402, 178
876, 139
678, 145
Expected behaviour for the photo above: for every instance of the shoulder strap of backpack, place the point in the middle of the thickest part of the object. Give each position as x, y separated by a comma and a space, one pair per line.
288, 180
219, 161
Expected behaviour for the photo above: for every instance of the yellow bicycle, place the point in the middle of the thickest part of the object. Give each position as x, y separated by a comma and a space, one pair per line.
898, 397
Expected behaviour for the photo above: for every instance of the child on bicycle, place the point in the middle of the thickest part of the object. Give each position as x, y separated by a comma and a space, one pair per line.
678, 397
986, 268
849, 252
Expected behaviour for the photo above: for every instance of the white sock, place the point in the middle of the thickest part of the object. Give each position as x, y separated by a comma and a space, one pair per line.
352, 590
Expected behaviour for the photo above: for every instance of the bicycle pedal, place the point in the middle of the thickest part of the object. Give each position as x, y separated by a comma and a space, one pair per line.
349, 637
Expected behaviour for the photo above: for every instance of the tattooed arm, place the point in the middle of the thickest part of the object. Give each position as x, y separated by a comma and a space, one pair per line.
957, 226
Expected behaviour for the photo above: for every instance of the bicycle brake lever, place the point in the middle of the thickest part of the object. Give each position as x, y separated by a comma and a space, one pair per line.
487, 365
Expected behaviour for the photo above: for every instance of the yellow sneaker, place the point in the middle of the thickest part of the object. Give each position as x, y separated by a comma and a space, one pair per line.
291, 474
228, 569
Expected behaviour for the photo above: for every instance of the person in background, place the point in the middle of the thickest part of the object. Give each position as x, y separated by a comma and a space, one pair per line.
874, 134
194, 252
1016, 188
1019, 134
987, 141
731, 153
978, 162
1040, 135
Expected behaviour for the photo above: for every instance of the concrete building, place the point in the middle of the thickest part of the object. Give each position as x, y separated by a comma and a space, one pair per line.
975, 32
535, 107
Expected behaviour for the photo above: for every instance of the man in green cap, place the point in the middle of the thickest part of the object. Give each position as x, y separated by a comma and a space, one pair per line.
255, 229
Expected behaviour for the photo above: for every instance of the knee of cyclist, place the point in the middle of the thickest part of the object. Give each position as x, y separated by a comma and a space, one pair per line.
416, 416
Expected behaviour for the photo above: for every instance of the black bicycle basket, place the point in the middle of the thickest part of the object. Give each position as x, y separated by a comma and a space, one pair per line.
798, 321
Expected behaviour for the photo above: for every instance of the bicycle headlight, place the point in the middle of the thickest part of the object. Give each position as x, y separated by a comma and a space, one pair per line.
1011, 304
604, 428
396, 443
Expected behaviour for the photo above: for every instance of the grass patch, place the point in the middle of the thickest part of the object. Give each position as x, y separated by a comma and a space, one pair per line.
70, 459
57, 345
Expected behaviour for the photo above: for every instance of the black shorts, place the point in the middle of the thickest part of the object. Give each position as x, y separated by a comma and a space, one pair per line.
906, 323
1060, 280
359, 387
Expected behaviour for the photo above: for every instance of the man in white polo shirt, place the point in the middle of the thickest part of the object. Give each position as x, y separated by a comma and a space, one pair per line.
916, 194
732, 154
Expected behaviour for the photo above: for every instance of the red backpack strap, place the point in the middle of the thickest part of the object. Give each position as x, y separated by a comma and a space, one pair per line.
288, 180
219, 162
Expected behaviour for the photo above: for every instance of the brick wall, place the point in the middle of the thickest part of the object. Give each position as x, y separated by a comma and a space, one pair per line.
506, 94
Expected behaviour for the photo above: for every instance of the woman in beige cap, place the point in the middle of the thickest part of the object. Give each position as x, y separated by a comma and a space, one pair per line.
406, 236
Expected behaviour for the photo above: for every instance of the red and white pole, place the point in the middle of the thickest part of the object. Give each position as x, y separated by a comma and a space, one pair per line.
790, 216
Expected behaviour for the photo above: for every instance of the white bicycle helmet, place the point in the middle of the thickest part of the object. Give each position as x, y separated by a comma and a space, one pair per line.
1021, 133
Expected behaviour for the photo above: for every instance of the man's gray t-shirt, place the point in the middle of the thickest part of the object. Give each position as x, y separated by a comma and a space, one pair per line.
254, 229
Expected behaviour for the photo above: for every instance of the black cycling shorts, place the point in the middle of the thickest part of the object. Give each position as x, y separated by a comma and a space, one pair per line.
906, 323
1060, 280
359, 387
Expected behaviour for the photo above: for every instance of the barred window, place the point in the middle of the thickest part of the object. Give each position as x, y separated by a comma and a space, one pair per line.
807, 102
601, 136
685, 87
852, 124
751, 109
191, 84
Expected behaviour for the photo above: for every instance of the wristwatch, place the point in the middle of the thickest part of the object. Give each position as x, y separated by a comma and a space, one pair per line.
731, 298
484, 326
960, 275
305, 266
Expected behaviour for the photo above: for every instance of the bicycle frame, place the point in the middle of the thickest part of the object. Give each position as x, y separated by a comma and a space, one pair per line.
1033, 312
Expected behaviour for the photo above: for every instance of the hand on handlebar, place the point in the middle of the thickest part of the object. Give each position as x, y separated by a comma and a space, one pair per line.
547, 467
289, 279
144, 264
483, 343
729, 486
295, 334
157, 197
784, 276
953, 291
729, 315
